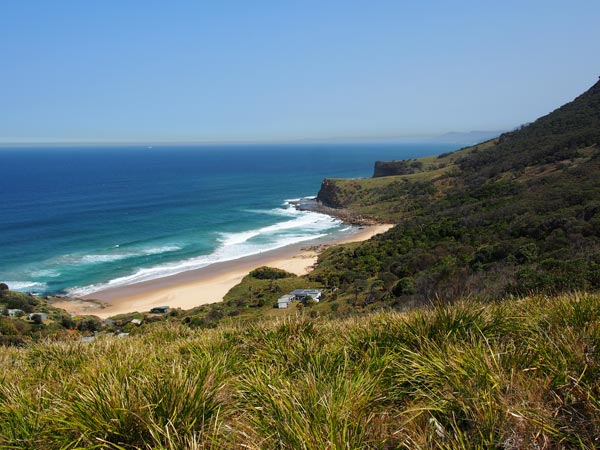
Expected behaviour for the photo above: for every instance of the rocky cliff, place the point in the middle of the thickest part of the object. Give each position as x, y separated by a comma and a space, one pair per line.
330, 194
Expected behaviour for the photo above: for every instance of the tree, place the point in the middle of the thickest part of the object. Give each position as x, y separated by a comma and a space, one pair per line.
90, 323
377, 285
404, 286
359, 285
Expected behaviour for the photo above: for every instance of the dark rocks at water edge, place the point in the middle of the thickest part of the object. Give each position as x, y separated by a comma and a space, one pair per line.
345, 215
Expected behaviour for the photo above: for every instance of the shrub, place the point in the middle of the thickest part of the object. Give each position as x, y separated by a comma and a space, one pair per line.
16, 300
404, 286
270, 273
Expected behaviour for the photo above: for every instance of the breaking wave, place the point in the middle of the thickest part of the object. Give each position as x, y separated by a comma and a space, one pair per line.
301, 226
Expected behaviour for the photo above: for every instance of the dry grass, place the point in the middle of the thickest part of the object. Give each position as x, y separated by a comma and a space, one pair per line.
512, 375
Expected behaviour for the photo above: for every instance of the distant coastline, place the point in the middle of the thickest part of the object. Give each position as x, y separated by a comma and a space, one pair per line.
451, 137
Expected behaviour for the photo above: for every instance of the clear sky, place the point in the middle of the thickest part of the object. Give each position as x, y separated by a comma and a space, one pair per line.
196, 70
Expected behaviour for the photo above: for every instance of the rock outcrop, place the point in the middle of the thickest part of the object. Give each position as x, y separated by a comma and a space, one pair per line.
330, 194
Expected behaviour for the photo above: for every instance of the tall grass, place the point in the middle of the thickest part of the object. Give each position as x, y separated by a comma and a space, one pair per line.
512, 375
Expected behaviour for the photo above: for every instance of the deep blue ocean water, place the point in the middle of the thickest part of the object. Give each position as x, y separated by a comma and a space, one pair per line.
79, 219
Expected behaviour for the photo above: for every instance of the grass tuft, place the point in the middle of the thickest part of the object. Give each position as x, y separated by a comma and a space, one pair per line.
524, 373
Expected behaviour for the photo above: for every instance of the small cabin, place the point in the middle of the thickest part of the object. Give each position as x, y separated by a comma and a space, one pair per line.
37, 316
159, 310
15, 312
284, 301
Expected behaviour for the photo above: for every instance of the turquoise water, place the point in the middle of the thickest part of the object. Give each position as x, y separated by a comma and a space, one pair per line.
75, 220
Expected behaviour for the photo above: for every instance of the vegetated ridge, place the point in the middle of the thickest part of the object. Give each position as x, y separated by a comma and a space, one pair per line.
513, 215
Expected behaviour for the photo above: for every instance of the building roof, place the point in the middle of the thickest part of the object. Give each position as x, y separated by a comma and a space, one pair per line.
307, 291
160, 308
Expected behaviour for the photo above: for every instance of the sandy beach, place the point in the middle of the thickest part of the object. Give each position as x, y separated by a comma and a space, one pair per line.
206, 285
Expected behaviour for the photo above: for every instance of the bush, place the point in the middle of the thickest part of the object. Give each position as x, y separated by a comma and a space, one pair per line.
67, 322
16, 300
270, 273
404, 286
89, 324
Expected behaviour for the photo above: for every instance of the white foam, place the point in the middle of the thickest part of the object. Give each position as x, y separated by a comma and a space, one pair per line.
228, 239
165, 270
98, 258
95, 259
26, 286
289, 209
158, 250
304, 221
45, 273
279, 212
295, 200
306, 226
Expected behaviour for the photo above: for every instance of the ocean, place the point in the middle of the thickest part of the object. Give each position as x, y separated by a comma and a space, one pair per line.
76, 220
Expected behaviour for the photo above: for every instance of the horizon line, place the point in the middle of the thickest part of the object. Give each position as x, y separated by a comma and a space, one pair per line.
158, 142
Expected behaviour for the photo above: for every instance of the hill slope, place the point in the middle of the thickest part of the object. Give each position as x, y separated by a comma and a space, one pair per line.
512, 375
515, 214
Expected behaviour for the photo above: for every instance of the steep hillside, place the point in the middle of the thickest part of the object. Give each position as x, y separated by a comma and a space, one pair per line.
515, 214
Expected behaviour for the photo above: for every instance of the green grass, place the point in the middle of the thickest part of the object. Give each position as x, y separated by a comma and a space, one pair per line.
523, 373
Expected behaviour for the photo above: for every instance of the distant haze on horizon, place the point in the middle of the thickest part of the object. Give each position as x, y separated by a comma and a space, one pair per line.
234, 71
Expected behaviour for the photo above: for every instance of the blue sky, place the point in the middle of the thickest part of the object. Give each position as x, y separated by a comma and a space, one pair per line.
279, 70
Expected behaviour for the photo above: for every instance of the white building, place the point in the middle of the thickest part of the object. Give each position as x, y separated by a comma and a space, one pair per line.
15, 312
39, 315
284, 301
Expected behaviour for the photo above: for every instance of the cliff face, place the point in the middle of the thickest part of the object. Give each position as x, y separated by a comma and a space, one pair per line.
341, 193
330, 194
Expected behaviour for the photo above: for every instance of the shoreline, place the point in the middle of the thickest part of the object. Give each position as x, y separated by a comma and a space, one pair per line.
209, 284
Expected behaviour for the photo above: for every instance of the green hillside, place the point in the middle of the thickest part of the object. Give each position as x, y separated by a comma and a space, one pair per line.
514, 215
